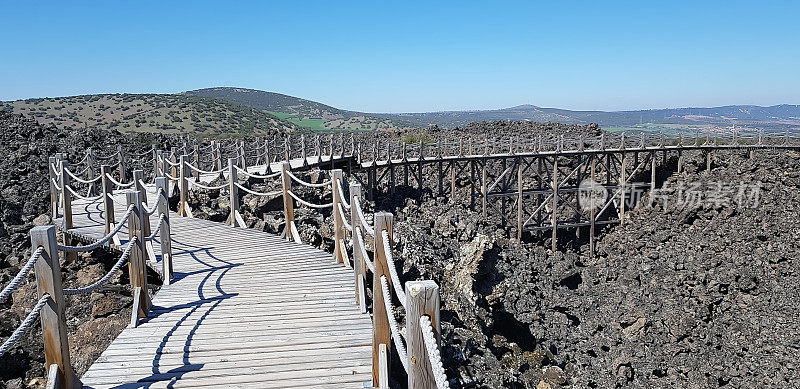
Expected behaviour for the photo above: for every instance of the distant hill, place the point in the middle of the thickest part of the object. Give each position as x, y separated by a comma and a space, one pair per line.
778, 116
304, 113
152, 113
318, 116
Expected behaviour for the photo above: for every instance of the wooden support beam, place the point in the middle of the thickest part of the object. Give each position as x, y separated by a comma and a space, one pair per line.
290, 229
339, 249
66, 204
54, 327
235, 219
622, 184
359, 267
652, 172
90, 175
484, 188
381, 333
183, 182
423, 300
592, 207
137, 268
554, 213
383, 367
123, 168
53, 169
519, 198
165, 234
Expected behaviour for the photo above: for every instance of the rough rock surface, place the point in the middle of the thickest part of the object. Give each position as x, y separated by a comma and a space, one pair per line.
693, 296
92, 320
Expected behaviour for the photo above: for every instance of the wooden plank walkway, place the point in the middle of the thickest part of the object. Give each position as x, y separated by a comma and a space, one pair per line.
246, 309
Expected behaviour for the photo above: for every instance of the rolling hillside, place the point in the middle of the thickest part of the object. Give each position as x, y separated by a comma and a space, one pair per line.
304, 113
152, 113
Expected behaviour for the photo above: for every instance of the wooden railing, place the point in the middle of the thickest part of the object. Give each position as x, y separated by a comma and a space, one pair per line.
183, 168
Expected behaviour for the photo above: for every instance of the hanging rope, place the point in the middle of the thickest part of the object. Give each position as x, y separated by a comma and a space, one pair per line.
306, 183
103, 240
199, 185
119, 184
307, 204
369, 229
17, 281
29, 320
398, 287
201, 171
76, 194
248, 174
76, 178
434, 357
398, 339
363, 247
342, 200
342, 215
268, 194
122, 259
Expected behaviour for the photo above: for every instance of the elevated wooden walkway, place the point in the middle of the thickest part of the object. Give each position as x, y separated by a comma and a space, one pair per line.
245, 309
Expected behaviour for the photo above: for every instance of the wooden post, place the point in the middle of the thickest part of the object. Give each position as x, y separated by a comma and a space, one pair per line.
519, 198
708, 161
484, 188
554, 213
653, 172
54, 327
622, 183
288, 148
423, 300
680, 161
359, 267
183, 182
303, 154
66, 203
108, 203
90, 172
235, 219
197, 163
381, 333
156, 163
55, 184
137, 268
123, 171
138, 176
339, 249
592, 208
174, 168
267, 157
162, 185
243, 154
289, 230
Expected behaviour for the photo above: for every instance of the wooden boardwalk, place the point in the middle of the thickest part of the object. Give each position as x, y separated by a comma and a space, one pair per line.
245, 309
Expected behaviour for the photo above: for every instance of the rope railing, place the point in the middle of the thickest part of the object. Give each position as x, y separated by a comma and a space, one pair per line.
306, 183
23, 272
363, 247
201, 171
76, 178
102, 281
120, 184
256, 176
434, 356
254, 193
157, 229
369, 229
306, 203
99, 243
398, 339
91, 199
398, 287
208, 187
23, 327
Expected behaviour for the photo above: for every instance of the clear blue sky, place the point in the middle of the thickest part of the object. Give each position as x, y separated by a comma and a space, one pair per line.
427, 56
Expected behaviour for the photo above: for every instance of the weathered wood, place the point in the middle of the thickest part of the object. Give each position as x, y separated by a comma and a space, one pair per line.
55, 379
183, 187
359, 267
66, 203
289, 230
123, 167
90, 175
165, 235
623, 183
233, 192
339, 251
54, 327
423, 300
137, 267
383, 369
52, 169
592, 207
519, 199
381, 333
554, 213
